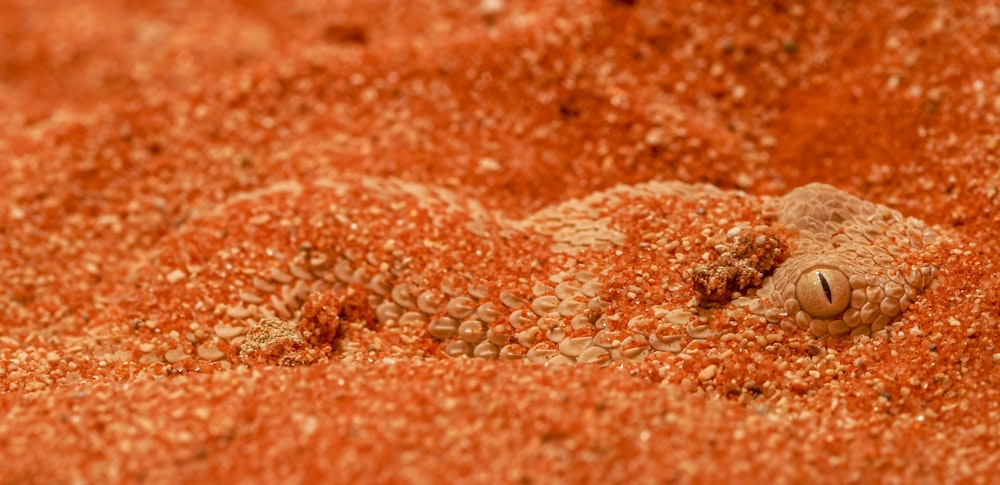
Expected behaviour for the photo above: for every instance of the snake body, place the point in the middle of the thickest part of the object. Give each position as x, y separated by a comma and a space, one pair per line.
592, 280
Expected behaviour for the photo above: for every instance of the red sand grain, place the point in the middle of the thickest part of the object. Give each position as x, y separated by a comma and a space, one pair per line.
125, 127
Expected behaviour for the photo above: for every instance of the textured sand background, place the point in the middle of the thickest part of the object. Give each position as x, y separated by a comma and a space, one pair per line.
125, 127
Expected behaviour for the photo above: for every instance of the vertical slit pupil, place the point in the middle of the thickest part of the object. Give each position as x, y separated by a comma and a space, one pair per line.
826, 286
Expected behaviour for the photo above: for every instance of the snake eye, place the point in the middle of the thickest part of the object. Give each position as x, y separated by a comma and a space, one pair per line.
823, 292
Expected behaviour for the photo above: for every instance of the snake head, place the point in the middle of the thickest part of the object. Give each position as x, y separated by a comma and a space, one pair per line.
857, 266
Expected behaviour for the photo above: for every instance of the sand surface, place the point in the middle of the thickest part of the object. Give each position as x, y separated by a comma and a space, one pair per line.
268, 242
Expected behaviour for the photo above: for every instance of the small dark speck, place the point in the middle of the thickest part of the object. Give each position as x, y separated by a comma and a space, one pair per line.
933, 348
345, 34
886, 395
568, 111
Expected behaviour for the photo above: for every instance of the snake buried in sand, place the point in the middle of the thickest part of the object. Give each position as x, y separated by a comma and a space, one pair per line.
594, 280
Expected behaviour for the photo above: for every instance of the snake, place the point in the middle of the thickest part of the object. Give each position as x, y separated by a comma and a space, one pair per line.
603, 278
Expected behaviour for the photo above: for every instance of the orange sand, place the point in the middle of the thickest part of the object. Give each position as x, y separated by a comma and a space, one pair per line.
125, 126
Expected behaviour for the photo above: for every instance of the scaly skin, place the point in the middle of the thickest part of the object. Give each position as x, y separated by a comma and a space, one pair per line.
594, 280
874, 248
